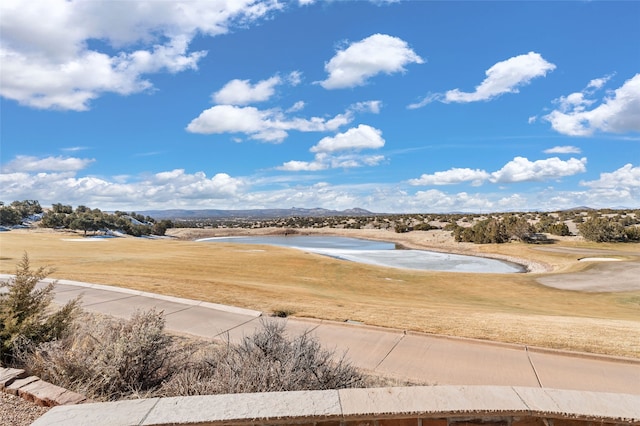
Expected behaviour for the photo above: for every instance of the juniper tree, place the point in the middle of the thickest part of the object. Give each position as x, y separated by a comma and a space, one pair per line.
26, 316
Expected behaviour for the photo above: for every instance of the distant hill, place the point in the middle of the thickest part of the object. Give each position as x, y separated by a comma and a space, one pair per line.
578, 209
252, 214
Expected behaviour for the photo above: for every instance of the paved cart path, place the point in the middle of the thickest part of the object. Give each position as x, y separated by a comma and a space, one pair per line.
406, 355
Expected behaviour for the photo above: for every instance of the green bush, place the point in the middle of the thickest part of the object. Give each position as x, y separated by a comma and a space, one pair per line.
488, 231
602, 230
560, 229
632, 233
25, 317
9, 216
424, 227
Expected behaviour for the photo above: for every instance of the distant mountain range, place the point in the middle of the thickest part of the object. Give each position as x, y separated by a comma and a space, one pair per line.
252, 214
292, 212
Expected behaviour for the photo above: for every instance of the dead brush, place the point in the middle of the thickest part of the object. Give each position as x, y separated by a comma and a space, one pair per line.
107, 358
265, 361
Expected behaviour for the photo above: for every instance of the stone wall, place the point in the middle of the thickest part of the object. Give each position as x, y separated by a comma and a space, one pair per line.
17, 382
405, 406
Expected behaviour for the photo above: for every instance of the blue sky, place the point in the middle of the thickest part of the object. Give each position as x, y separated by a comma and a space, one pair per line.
398, 107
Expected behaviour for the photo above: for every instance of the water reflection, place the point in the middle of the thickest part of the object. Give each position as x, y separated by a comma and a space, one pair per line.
379, 253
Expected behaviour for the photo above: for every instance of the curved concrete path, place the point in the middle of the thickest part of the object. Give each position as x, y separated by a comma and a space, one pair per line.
423, 358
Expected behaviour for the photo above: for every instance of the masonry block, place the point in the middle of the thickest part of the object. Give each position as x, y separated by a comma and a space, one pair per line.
18, 383
69, 398
41, 393
8, 375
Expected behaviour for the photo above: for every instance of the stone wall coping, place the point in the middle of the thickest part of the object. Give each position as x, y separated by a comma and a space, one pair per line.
426, 402
9, 375
17, 382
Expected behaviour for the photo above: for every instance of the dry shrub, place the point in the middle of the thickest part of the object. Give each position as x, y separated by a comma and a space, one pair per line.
106, 358
109, 359
266, 361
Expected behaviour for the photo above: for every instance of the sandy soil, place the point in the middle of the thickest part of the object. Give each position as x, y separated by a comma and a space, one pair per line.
605, 276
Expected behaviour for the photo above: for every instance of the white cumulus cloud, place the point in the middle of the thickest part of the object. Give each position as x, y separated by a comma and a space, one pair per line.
342, 151
618, 112
48, 61
271, 125
521, 169
266, 125
504, 77
379, 53
169, 189
627, 177
26, 163
356, 138
451, 177
231, 119
242, 92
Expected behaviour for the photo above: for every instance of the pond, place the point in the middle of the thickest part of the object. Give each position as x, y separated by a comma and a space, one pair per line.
379, 253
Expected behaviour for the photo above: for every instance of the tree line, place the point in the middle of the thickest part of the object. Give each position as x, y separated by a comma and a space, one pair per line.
605, 225
16, 212
82, 218
516, 227
506, 228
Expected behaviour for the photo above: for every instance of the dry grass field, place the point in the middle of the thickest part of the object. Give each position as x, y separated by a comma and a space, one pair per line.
500, 307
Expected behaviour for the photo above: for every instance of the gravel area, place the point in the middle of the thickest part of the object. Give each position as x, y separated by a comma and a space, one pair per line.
16, 411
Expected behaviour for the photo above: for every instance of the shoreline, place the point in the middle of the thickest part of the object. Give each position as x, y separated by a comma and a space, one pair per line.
434, 240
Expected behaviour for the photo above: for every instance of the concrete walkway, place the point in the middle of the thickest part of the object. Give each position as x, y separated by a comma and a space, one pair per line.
418, 357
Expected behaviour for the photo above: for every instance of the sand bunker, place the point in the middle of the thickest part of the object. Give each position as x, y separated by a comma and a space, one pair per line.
601, 277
